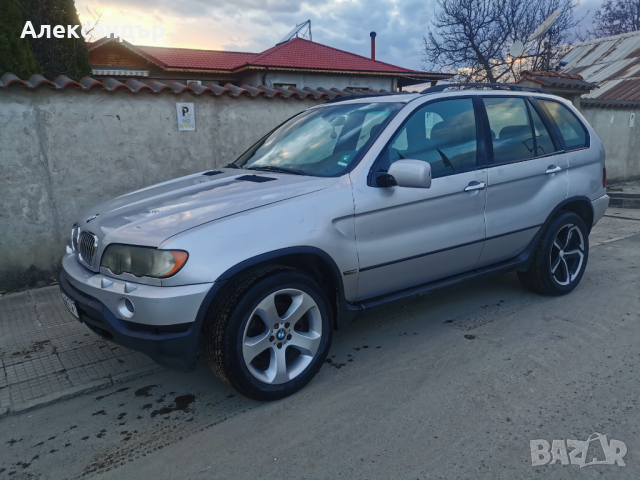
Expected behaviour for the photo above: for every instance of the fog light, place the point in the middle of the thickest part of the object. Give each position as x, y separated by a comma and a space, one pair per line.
126, 308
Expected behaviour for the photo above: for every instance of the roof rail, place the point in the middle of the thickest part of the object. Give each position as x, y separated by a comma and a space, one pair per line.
492, 86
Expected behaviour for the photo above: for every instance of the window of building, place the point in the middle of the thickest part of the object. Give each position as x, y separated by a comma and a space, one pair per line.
358, 89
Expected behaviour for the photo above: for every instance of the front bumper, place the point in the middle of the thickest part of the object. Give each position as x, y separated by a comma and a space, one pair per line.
169, 337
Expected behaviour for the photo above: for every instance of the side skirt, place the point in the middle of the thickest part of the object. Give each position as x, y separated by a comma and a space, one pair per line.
520, 263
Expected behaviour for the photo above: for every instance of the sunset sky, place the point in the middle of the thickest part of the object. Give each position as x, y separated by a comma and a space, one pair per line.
255, 25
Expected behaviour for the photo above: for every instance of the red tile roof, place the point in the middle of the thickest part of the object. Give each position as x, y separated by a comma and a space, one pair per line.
297, 53
301, 53
202, 59
555, 79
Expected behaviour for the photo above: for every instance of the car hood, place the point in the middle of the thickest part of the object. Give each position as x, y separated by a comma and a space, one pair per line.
151, 215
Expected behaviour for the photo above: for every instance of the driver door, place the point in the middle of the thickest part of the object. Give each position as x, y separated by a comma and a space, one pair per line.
410, 236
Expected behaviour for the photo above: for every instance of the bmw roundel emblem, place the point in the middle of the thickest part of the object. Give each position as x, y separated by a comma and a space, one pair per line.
93, 217
280, 335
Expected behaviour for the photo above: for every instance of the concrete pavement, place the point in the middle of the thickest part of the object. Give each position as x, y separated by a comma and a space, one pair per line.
46, 355
454, 385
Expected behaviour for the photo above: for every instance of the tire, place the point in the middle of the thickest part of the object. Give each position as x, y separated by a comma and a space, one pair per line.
553, 272
251, 317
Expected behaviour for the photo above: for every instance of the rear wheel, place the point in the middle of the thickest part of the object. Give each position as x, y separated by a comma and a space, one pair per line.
270, 333
560, 258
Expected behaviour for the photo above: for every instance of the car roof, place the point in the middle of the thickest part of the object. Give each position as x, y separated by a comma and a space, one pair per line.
409, 97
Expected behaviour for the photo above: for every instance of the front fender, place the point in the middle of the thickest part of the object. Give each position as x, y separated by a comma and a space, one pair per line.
321, 220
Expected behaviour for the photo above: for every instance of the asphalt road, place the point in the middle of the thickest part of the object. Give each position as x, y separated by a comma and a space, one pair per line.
453, 385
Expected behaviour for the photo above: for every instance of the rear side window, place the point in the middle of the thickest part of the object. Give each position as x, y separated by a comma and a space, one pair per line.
442, 133
511, 132
568, 126
544, 143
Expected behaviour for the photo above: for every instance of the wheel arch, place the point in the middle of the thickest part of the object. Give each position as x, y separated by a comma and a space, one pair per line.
313, 261
579, 205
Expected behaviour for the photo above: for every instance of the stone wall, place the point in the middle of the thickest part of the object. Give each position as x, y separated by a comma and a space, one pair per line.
63, 151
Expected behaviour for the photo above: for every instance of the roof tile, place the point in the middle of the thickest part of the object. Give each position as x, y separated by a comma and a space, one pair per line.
297, 53
135, 86
302, 53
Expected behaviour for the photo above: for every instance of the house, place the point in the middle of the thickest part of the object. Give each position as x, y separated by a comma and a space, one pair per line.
568, 86
613, 65
296, 63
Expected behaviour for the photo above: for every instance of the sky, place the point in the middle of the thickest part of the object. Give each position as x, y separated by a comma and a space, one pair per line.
255, 25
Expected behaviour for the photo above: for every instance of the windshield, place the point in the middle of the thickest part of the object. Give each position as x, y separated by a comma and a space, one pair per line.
322, 142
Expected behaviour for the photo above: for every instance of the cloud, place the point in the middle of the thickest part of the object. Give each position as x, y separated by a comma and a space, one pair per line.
255, 25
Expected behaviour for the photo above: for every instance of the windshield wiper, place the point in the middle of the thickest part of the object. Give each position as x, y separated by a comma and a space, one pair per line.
271, 168
232, 165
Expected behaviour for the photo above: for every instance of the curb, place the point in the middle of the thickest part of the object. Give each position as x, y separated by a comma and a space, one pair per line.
143, 372
58, 396
624, 200
78, 391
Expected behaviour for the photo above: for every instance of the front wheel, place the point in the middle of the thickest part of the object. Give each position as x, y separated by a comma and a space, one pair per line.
270, 335
560, 258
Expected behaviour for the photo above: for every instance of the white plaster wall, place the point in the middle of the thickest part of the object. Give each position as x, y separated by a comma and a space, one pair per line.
63, 151
328, 81
621, 142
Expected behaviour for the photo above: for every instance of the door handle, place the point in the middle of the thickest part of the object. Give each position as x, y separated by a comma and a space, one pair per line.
552, 169
474, 186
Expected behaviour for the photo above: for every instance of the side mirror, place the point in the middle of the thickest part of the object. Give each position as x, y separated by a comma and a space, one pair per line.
410, 174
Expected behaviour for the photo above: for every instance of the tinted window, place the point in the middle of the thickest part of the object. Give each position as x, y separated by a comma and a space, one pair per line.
511, 132
544, 143
441, 133
569, 128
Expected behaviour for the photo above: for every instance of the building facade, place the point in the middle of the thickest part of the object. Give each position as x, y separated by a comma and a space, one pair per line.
296, 63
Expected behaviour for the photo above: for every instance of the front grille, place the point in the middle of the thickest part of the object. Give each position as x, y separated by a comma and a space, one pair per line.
87, 246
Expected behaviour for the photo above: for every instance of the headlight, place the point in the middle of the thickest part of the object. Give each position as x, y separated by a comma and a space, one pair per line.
143, 261
75, 232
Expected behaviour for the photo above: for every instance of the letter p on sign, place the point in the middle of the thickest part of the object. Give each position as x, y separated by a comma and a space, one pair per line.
186, 117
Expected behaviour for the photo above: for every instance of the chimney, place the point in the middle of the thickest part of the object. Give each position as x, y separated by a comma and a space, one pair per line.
373, 45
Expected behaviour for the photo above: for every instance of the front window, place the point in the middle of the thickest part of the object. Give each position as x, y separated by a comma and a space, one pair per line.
442, 133
323, 142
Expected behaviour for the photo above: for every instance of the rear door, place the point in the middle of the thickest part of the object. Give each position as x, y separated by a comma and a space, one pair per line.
585, 163
527, 175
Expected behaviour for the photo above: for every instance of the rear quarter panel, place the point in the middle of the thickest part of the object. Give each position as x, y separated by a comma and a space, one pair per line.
585, 166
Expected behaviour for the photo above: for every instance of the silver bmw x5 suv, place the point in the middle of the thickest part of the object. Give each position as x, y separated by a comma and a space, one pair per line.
344, 207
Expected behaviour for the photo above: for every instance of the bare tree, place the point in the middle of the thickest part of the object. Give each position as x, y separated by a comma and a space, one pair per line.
615, 17
472, 37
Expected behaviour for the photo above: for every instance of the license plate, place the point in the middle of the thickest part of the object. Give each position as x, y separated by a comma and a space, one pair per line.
71, 305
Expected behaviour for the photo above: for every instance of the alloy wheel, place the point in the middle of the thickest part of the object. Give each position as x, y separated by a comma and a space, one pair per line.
567, 254
282, 336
